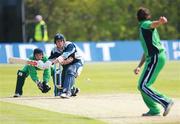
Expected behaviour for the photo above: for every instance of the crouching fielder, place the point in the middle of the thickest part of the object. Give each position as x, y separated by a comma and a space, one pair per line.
67, 54
154, 57
32, 71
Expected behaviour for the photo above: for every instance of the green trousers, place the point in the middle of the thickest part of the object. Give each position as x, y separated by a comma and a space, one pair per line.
153, 65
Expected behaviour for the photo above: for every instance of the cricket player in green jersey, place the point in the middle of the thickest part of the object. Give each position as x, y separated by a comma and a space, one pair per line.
154, 58
32, 71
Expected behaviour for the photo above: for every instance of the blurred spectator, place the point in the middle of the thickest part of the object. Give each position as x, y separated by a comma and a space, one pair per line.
40, 33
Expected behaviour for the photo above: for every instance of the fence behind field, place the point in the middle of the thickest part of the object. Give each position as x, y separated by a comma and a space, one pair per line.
92, 51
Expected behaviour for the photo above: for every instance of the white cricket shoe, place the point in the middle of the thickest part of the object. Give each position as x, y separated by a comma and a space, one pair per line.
65, 95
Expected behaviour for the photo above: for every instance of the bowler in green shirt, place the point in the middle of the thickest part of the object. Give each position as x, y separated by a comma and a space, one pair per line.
154, 57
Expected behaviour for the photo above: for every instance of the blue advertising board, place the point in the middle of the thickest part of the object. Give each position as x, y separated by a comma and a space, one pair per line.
92, 51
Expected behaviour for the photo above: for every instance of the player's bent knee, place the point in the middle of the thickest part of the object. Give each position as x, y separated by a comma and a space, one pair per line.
21, 73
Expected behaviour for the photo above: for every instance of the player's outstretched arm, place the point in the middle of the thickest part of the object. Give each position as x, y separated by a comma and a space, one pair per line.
40, 64
43, 65
162, 20
63, 61
60, 59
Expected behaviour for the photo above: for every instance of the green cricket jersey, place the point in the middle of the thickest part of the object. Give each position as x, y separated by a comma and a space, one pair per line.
149, 38
32, 71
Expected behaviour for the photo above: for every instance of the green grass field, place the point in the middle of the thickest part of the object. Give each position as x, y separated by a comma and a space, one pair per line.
96, 78
18, 114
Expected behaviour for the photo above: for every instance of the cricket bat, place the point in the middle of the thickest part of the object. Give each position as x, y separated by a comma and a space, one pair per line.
16, 60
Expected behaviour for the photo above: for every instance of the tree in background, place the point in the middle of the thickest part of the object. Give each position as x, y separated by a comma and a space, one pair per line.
101, 20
